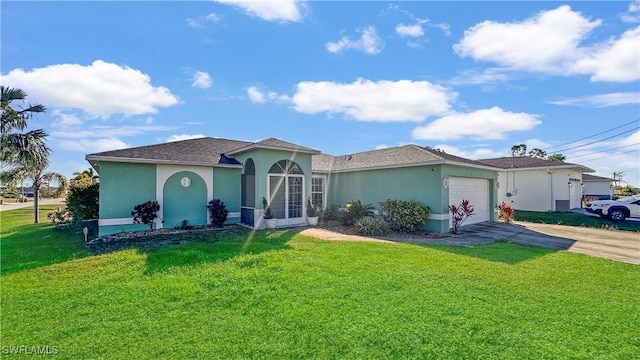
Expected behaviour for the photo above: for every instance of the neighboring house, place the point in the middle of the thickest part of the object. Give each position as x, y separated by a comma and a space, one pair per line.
596, 187
184, 175
537, 184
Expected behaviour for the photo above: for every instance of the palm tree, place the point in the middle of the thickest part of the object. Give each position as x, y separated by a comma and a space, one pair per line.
24, 153
89, 174
54, 177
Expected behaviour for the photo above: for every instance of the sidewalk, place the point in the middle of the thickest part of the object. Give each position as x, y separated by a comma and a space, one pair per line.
29, 204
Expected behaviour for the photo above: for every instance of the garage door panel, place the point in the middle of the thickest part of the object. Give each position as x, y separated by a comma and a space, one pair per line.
474, 190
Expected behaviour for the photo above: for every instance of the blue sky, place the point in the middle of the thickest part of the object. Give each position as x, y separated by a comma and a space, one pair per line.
470, 78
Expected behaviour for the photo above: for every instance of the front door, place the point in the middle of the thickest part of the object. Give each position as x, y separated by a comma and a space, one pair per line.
287, 194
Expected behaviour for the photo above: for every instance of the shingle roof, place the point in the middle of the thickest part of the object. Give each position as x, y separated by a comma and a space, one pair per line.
588, 177
526, 162
201, 151
273, 143
406, 155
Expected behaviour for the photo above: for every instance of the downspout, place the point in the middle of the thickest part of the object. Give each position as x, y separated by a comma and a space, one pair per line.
550, 172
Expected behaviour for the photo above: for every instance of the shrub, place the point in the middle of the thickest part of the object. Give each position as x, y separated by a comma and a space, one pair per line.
61, 218
312, 209
371, 226
404, 215
184, 225
506, 213
82, 201
146, 213
266, 209
459, 213
355, 210
332, 212
218, 212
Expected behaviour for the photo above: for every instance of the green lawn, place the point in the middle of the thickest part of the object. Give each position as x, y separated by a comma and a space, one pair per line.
277, 294
574, 219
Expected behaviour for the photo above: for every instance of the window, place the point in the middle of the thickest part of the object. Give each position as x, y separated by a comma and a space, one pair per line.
317, 191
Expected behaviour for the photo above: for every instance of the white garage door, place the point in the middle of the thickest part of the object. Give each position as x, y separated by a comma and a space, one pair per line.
474, 190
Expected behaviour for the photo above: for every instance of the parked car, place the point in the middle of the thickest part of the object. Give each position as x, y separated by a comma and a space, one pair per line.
616, 210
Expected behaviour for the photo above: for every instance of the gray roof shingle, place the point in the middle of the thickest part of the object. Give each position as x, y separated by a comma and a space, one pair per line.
589, 177
201, 151
406, 155
526, 162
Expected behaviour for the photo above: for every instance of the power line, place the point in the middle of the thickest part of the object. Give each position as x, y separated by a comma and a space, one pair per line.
598, 152
600, 133
609, 156
597, 141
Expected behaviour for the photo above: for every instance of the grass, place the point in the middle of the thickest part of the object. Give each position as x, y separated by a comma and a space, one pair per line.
575, 219
278, 294
27, 246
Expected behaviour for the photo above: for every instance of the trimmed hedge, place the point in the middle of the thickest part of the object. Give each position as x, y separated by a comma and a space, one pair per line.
404, 215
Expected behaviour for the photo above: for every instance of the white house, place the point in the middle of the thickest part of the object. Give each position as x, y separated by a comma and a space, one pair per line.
539, 185
596, 187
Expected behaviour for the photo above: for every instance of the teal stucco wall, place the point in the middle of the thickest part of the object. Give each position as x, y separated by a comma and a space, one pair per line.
263, 159
226, 187
184, 203
420, 183
122, 186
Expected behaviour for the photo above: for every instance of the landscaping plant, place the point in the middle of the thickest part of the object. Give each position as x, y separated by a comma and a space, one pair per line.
355, 210
146, 213
506, 213
371, 226
267, 209
312, 210
459, 213
332, 212
404, 215
218, 212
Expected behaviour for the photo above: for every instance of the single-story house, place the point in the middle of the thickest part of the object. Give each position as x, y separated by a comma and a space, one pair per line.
537, 184
596, 187
184, 175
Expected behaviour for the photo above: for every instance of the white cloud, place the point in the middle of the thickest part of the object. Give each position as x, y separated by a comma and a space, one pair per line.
259, 97
481, 153
102, 131
381, 146
414, 30
369, 42
614, 60
274, 10
633, 13
65, 121
490, 124
544, 42
180, 137
202, 20
550, 42
201, 80
485, 76
93, 145
603, 100
256, 95
365, 100
100, 89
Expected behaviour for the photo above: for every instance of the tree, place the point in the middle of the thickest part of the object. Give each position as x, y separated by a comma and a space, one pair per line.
519, 150
59, 179
24, 153
87, 174
538, 153
556, 157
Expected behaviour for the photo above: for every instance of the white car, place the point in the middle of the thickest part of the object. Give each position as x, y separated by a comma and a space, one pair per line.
616, 210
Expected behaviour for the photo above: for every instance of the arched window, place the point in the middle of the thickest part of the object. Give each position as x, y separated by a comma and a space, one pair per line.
286, 167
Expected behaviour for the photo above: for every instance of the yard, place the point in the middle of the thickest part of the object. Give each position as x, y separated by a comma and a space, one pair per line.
277, 294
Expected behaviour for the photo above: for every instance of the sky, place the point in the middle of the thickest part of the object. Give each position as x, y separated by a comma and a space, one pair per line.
469, 78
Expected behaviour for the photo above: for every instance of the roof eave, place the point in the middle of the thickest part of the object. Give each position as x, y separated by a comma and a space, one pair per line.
418, 164
582, 168
92, 158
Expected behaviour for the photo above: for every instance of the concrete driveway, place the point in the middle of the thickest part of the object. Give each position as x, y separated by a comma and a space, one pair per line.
615, 245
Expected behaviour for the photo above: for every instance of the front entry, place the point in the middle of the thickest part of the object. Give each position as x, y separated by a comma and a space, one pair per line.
286, 193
